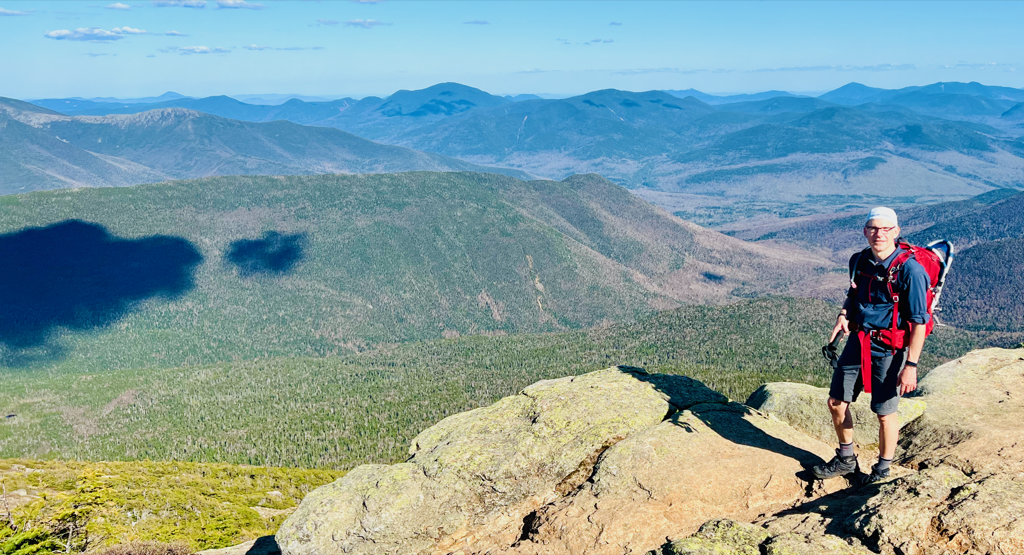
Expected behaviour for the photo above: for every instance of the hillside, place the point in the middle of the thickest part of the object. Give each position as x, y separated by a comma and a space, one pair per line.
339, 411
245, 267
47, 150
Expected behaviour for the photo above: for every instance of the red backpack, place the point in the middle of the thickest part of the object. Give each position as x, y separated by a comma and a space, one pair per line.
936, 259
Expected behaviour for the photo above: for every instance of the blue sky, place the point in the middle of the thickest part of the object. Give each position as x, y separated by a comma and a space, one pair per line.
58, 49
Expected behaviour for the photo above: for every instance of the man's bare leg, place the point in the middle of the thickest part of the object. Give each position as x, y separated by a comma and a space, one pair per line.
888, 435
845, 461
842, 419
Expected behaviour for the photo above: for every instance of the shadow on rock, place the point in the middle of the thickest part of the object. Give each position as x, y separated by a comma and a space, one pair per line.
76, 275
274, 254
266, 545
726, 418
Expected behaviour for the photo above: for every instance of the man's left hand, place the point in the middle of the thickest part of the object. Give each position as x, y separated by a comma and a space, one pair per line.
908, 380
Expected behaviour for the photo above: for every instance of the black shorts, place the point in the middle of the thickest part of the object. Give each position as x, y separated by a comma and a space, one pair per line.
885, 378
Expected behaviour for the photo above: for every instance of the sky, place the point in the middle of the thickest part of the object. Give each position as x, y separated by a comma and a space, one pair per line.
129, 49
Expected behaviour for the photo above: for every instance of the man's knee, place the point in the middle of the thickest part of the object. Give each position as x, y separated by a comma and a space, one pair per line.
836, 406
888, 419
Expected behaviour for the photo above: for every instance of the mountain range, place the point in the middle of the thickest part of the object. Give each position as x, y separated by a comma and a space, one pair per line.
43, 149
711, 159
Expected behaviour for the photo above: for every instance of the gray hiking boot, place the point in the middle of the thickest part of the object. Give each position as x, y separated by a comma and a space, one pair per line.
838, 466
875, 476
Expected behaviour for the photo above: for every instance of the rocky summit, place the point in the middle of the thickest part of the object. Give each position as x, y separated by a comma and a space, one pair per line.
620, 461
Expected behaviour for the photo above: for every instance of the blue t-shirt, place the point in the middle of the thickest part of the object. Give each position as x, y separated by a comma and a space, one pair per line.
870, 304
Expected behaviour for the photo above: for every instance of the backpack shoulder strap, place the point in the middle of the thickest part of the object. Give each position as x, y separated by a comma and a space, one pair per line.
853, 268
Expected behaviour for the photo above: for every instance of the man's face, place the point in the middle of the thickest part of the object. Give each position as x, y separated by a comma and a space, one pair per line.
881, 234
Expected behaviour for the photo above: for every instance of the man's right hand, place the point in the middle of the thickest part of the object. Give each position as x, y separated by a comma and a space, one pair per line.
842, 326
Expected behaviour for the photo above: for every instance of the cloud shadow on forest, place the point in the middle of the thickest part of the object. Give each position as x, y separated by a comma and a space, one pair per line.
274, 254
76, 275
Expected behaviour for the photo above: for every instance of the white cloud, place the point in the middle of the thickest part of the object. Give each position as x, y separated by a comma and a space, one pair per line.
118, 6
175, 34
180, 3
186, 50
877, 67
91, 34
237, 4
326, 22
11, 13
255, 47
476, 22
365, 23
128, 31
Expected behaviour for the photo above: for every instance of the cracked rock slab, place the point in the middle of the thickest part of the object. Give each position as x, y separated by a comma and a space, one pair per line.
473, 477
711, 461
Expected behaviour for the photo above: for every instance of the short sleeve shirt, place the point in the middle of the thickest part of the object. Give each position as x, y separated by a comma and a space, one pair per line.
871, 308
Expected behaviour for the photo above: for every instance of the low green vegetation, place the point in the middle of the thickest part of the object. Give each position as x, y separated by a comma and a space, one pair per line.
337, 412
70, 507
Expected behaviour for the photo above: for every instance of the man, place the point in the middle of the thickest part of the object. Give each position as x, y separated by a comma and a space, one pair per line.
868, 311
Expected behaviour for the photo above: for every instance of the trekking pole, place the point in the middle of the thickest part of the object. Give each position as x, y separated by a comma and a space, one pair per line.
831, 351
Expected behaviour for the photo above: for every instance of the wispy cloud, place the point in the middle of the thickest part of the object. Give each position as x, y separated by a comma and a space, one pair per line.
175, 34
118, 6
647, 70
179, 3
476, 22
365, 23
615, 24
4, 12
238, 4
286, 48
876, 67
97, 55
599, 41
187, 50
93, 34
540, 71
985, 65
326, 22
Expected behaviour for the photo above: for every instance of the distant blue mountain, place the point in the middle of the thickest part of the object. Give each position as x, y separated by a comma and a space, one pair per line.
715, 100
776, 105
951, 105
853, 94
976, 89
522, 97
856, 93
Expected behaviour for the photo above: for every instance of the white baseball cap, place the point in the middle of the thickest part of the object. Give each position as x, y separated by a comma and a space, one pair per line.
882, 213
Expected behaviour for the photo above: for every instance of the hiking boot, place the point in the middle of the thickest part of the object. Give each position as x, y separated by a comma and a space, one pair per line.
838, 466
875, 476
